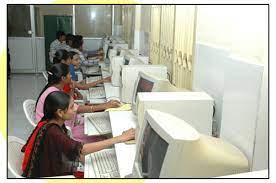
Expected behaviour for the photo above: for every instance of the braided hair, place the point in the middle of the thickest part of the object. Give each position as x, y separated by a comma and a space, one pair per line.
55, 74
61, 55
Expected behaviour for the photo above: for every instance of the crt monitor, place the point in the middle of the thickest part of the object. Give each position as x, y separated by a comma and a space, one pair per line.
130, 74
184, 105
118, 52
135, 60
148, 83
109, 47
143, 85
115, 67
129, 52
126, 61
115, 63
168, 147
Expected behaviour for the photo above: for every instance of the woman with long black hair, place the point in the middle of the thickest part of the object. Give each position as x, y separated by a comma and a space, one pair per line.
49, 151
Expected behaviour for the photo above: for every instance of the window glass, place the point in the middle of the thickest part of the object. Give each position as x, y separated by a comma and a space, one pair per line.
18, 26
93, 20
42, 10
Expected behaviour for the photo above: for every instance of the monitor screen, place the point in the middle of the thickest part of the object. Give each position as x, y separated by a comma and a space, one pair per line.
126, 62
144, 85
152, 153
118, 52
109, 47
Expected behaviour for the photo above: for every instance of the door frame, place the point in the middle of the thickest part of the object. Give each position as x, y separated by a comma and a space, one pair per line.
33, 38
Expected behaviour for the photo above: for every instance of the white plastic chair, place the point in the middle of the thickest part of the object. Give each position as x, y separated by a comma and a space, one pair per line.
29, 110
15, 156
45, 74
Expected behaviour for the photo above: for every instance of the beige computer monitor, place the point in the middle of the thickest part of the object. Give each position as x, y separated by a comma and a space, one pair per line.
171, 148
130, 73
159, 84
194, 107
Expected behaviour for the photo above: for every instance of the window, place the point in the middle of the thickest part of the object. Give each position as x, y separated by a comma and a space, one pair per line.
93, 20
42, 10
18, 26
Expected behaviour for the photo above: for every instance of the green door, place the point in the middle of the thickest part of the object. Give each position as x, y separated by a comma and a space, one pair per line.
52, 24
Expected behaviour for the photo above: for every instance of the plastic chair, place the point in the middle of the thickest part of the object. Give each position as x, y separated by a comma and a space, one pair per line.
15, 156
29, 110
45, 74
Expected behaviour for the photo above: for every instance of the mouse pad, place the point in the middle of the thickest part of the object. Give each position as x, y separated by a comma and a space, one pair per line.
124, 107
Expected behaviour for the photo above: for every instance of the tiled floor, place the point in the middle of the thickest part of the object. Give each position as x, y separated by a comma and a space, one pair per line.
20, 88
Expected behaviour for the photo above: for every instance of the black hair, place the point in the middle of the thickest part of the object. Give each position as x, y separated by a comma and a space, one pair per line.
72, 53
77, 43
55, 74
59, 34
54, 101
60, 55
69, 37
79, 37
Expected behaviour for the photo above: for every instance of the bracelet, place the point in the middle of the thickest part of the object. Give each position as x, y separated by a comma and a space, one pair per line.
91, 108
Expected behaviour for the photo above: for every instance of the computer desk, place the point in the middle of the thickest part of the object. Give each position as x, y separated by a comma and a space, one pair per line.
120, 122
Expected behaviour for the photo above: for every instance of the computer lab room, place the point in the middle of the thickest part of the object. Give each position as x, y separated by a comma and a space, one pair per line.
137, 91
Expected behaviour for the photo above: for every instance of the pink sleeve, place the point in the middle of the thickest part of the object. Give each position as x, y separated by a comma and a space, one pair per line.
76, 106
39, 113
39, 109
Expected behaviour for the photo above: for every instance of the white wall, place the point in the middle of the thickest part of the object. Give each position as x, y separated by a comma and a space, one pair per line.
260, 160
40, 50
21, 53
142, 29
241, 97
243, 30
208, 76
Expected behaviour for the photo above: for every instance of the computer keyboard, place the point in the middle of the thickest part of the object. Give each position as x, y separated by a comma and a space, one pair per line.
92, 70
96, 92
104, 164
93, 79
101, 121
113, 97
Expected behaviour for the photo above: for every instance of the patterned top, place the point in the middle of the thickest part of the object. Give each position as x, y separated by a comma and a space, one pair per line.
50, 152
54, 46
76, 124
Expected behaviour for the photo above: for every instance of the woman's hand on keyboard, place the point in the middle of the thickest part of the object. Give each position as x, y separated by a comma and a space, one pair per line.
113, 104
128, 135
107, 79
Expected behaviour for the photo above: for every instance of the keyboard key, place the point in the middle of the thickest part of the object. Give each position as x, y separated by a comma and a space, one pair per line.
105, 164
97, 92
101, 122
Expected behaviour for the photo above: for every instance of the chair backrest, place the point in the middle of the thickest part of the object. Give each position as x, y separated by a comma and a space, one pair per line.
69, 132
15, 156
45, 74
29, 110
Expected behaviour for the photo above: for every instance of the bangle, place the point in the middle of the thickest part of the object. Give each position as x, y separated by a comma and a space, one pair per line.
91, 108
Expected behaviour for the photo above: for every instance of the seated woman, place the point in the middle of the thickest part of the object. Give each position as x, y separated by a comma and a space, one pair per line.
69, 58
49, 151
58, 76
